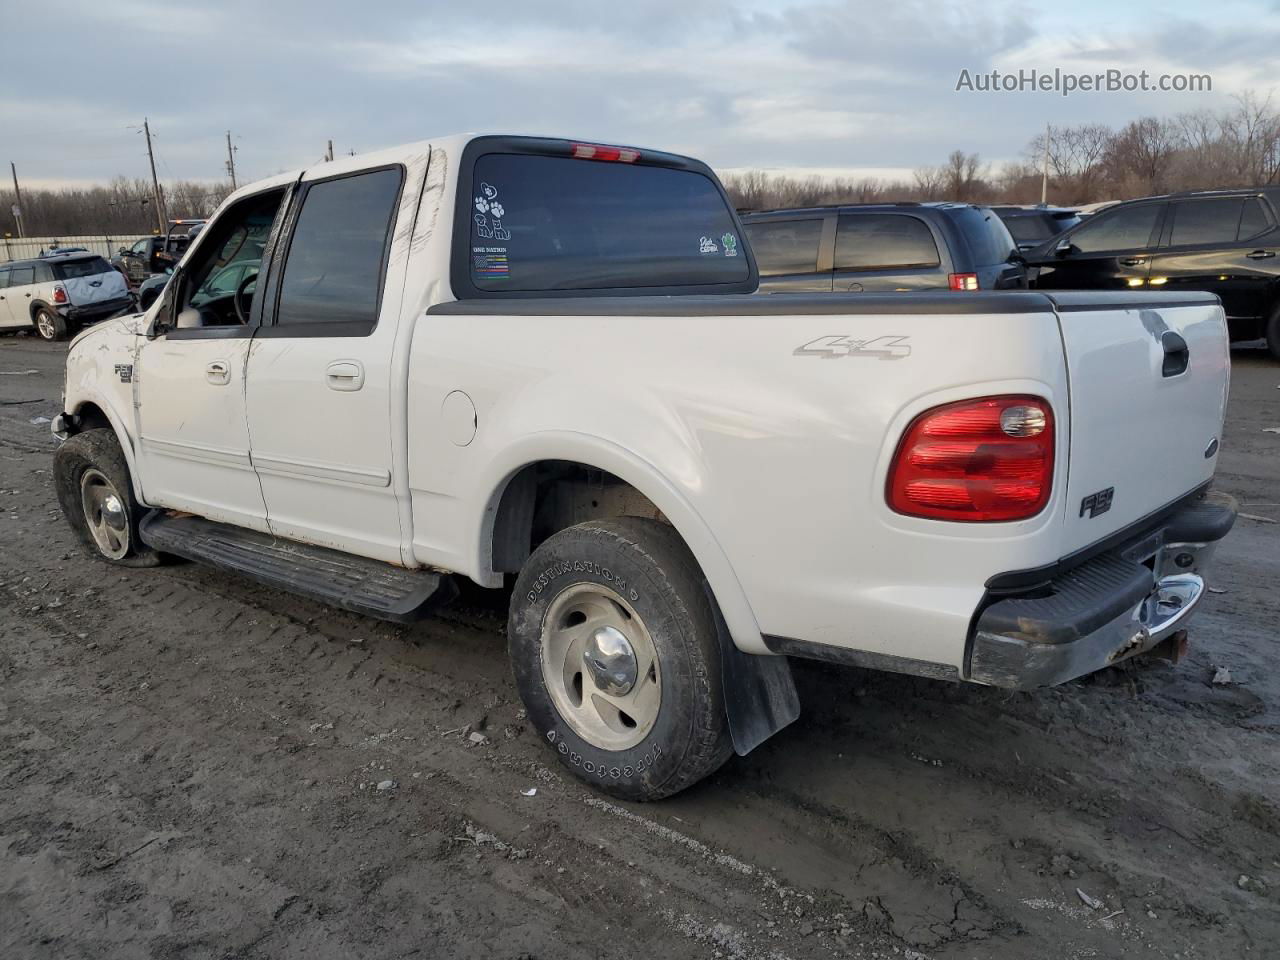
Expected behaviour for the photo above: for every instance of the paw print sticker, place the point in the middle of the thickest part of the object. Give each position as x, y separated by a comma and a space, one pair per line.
482, 205
496, 209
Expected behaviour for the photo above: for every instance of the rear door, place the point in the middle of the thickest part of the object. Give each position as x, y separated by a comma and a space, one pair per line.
7, 319
1148, 389
886, 252
791, 253
20, 292
1109, 251
320, 384
1226, 245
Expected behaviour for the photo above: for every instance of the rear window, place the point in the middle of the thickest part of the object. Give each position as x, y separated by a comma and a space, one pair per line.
874, 241
1035, 228
558, 223
989, 239
71, 269
785, 246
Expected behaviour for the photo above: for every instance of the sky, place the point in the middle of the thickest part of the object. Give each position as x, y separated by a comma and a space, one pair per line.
790, 86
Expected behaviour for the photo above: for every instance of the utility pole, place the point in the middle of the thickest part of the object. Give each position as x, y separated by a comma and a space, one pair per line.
329, 153
155, 181
1044, 177
17, 200
231, 161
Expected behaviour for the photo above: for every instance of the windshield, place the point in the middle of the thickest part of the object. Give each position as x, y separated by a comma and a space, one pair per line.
558, 223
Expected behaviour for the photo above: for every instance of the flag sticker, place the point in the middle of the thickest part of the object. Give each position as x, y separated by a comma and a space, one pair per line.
490, 262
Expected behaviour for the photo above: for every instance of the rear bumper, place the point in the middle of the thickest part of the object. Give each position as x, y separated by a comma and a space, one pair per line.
92, 312
1112, 607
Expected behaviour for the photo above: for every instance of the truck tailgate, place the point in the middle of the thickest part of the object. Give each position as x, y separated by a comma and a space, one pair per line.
1146, 420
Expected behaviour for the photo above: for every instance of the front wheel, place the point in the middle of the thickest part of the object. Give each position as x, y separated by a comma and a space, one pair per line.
94, 490
616, 657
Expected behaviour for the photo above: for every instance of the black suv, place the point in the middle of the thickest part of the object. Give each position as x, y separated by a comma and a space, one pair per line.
882, 247
1032, 226
1222, 241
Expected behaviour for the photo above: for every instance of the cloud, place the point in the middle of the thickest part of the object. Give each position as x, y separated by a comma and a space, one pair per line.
767, 83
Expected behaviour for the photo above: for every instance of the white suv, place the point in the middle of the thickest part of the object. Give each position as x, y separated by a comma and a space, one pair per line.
58, 293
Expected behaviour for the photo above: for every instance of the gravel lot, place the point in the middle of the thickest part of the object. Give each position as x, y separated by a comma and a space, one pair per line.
190, 766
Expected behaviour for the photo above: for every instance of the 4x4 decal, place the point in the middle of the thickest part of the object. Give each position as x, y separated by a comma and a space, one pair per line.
832, 347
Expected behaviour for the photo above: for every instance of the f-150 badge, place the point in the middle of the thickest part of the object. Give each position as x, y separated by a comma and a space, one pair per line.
835, 347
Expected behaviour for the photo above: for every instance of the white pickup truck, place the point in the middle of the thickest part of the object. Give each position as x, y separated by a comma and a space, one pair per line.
541, 364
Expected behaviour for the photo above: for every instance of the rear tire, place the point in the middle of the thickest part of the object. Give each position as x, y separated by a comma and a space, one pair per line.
50, 325
1272, 333
616, 657
96, 495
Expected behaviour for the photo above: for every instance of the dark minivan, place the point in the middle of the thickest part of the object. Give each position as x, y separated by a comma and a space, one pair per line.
1222, 241
883, 247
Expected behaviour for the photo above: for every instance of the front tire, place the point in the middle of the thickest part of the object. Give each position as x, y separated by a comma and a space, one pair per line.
50, 325
616, 657
96, 495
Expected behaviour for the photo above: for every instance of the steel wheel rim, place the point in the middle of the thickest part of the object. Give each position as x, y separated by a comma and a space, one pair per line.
105, 513
589, 700
44, 324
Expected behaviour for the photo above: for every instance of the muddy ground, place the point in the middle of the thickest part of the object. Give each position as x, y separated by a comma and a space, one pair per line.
189, 767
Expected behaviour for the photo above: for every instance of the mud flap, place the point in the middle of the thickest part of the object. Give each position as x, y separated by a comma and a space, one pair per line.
760, 696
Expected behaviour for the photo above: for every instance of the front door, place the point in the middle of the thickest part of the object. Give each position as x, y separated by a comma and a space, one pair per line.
1110, 251
7, 319
189, 376
320, 391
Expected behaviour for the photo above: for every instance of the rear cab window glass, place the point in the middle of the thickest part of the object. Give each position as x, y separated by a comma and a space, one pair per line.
545, 223
1125, 229
90, 267
785, 246
334, 269
1212, 220
874, 241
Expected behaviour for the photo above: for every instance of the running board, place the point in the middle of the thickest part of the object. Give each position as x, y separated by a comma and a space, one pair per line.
358, 584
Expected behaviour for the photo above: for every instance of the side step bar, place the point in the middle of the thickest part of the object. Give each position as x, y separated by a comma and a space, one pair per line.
358, 584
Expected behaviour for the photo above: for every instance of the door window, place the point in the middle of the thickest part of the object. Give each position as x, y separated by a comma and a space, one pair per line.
140, 248
1199, 222
785, 246
876, 241
4, 277
1128, 228
1253, 220
22, 276
333, 274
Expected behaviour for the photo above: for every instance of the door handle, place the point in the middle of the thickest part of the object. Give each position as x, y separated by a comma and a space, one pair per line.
854, 288
1132, 261
1177, 355
1261, 255
218, 373
345, 375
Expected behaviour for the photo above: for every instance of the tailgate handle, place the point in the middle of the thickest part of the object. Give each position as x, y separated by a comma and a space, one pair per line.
1177, 355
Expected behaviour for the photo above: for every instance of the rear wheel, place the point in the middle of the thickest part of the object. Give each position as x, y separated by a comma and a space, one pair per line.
96, 495
1273, 333
616, 657
50, 325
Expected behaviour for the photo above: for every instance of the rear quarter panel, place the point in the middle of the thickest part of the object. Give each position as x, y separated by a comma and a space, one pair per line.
781, 452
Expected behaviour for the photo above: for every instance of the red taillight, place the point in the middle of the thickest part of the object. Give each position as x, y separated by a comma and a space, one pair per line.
975, 461
59, 294
598, 151
962, 281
